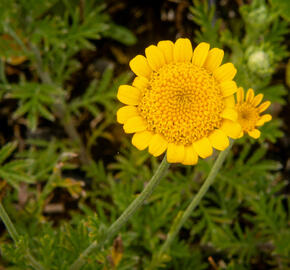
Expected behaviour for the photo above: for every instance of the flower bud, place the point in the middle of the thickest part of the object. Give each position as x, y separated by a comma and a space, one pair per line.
259, 62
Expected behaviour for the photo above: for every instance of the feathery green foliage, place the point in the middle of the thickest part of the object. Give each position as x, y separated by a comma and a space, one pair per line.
67, 171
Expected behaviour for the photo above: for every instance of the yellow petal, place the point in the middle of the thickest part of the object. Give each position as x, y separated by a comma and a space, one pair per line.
228, 88
128, 94
182, 51
140, 67
203, 147
175, 153
257, 99
250, 95
230, 113
229, 101
157, 145
190, 156
200, 54
226, 72
264, 118
135, 124
241, 134
240, 95
264, 106
154, 57
126, 112
219, 140
140, 82
255, 133
166, 46
141, 139
231, 129
214, 59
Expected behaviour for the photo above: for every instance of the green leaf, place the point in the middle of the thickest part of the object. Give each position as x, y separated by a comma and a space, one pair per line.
275, 93
203, 15
45, 113
120, 34
272, 130
283, 7
14, 171
35, 100
7, 150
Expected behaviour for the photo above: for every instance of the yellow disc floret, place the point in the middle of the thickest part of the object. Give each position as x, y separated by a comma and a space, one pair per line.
182, 102
247, 116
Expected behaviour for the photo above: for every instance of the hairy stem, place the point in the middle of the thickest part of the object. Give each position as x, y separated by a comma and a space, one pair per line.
14, 235
180, 220
122, 220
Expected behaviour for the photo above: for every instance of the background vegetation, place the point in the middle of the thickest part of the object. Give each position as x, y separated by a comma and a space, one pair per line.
68, 170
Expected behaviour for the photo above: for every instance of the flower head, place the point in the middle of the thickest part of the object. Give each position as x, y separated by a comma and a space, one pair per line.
181, 101
249, 112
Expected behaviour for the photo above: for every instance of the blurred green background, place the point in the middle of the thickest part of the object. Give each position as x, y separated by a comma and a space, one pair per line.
68, 170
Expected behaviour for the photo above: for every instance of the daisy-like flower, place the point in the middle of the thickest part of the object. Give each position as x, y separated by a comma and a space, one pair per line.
181, 101
249, 112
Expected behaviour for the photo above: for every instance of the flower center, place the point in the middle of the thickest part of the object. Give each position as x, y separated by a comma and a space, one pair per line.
248, 116
182, 102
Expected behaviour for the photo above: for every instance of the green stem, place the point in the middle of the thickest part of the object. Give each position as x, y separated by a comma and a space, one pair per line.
15, 236
122, 220
44, 76
180, 220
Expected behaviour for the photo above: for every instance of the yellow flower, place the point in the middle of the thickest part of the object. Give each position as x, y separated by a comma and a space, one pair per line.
249, 114
181, 101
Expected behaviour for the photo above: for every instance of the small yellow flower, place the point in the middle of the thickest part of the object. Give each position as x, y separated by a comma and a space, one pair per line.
249, 114
181, 101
